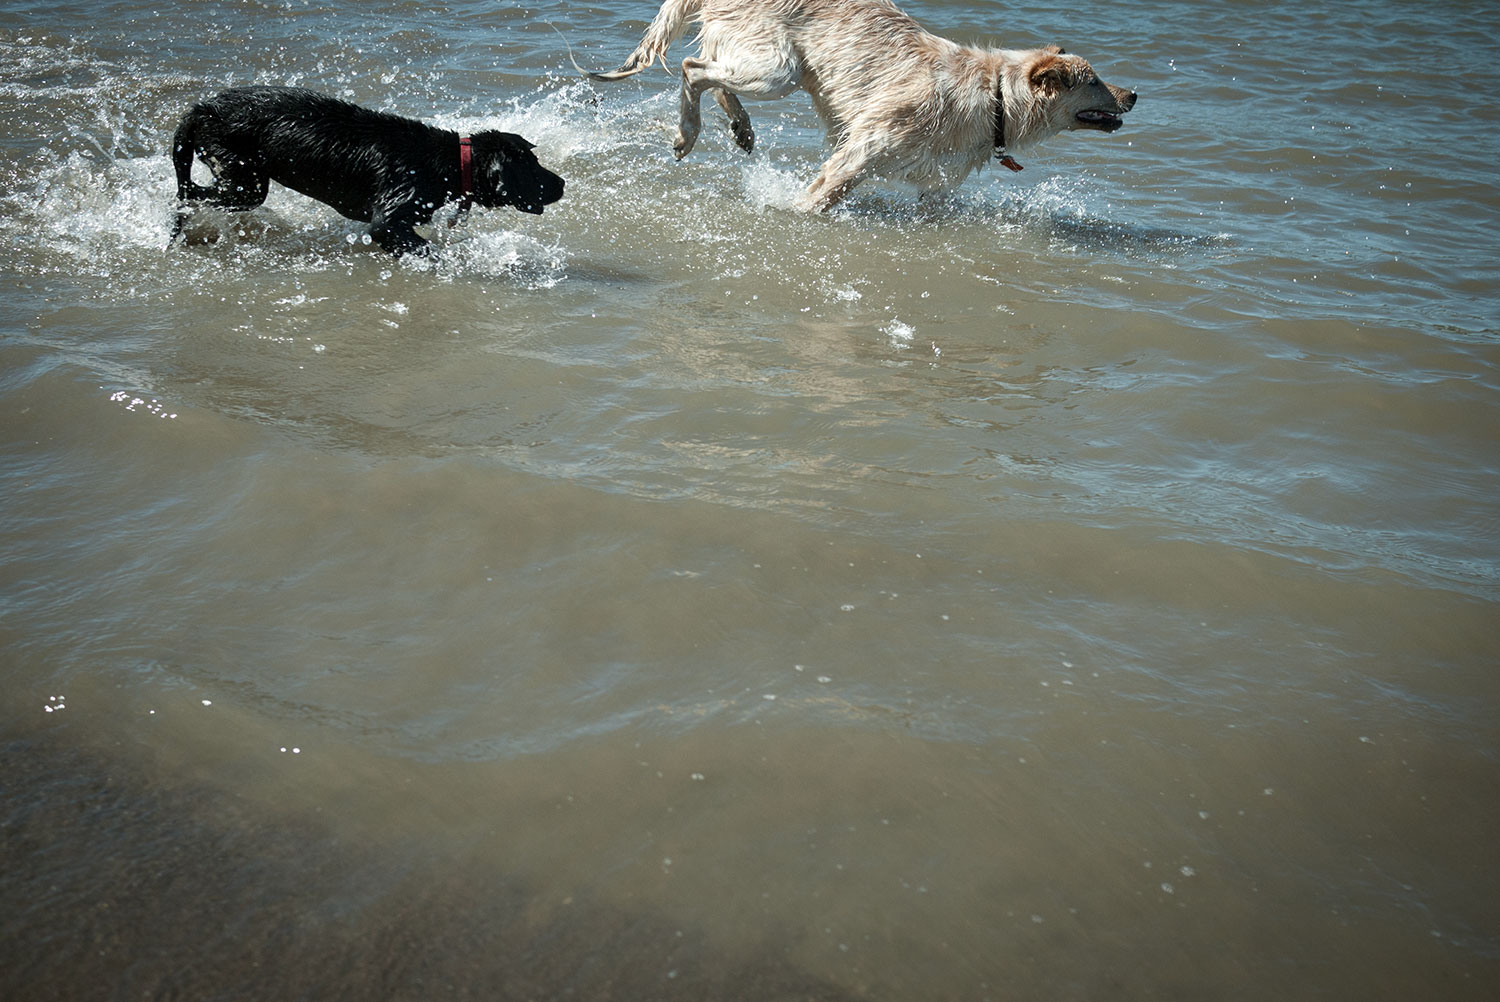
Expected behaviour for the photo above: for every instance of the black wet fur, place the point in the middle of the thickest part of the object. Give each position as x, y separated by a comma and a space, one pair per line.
389, 171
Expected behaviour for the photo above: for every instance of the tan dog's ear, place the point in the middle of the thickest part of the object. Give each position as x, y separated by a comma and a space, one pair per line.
1052, 74
1056, 50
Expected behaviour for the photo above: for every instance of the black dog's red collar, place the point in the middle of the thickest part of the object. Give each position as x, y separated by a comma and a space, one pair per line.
465, 172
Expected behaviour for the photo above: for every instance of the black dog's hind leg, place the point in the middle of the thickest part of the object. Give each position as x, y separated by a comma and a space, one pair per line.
238, 184
182, 163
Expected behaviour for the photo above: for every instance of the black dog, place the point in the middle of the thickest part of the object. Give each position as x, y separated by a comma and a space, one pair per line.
389, 171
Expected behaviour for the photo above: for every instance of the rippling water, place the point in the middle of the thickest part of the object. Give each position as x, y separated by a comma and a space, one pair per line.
1082, 586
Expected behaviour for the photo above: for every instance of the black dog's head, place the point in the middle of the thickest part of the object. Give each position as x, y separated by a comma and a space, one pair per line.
506, 173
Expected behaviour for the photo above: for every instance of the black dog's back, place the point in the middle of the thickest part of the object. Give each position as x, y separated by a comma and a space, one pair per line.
376, 167
319, 145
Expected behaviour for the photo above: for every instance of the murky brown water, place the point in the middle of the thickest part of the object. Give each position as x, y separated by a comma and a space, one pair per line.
1081, 588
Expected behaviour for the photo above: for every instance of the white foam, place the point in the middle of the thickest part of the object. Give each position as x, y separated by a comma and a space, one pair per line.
768, 187
899, 334
519, 256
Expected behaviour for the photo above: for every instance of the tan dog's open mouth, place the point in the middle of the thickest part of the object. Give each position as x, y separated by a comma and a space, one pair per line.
1106, 117
1094, 118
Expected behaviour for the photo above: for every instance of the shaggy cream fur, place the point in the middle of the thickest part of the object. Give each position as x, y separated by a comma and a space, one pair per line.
897, 100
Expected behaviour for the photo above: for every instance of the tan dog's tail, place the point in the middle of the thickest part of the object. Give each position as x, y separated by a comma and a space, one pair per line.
667, 27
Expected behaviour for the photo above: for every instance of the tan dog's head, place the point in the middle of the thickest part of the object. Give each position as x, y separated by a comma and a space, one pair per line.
1072, 95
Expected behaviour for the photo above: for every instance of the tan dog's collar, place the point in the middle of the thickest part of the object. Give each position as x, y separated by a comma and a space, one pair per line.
1006, 160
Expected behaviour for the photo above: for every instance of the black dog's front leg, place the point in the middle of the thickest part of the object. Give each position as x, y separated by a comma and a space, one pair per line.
393, 229
399, 239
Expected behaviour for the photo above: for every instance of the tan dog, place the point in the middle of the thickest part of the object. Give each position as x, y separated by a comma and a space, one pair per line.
896, 99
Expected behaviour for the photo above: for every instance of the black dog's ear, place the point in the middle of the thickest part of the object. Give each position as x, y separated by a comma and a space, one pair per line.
504, 142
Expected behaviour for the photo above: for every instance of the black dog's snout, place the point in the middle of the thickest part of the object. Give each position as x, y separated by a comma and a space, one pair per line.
553, 189
544, 189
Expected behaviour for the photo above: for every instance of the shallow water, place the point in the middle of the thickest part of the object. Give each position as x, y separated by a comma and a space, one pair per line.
1080, 586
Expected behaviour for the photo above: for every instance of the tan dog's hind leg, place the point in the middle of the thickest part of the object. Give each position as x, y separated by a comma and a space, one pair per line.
765, 76
739, 119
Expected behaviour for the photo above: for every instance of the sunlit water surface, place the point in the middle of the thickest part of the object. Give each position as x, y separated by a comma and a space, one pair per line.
1083, 586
